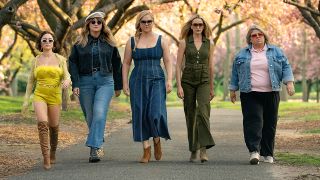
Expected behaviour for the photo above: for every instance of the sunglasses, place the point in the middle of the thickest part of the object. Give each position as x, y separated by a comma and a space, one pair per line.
47, 40
256, 35
197, 25
146, 22
96, 22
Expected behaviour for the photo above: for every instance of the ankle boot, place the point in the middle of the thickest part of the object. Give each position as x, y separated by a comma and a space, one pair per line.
44, 143
146, 155
157, 150
203, 155
193, 156
54, 133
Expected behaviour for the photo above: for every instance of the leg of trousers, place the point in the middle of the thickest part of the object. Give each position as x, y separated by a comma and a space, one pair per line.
270, 119
96, 92
260, 111
197, 111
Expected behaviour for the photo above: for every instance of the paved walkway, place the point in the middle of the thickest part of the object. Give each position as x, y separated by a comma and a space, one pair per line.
227, 160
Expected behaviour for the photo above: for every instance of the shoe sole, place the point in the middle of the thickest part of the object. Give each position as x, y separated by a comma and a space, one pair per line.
93, 160
254, 161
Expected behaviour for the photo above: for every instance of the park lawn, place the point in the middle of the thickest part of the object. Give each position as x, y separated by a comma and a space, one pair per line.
10, 108
300, 111
298, 159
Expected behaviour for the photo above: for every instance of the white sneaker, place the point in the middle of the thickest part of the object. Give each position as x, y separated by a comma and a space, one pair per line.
254, 158
268, 159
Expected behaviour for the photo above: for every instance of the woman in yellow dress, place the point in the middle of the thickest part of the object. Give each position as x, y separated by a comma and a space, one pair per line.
49, 74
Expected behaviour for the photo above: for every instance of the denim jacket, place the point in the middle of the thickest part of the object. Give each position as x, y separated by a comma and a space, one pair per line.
279, 69
110, 61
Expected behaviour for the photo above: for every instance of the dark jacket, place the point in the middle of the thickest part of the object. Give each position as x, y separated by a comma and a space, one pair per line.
80, 61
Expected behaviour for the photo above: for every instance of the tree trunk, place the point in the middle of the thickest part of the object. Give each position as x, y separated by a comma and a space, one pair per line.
283, 94
226, 68
317, 88
304, 68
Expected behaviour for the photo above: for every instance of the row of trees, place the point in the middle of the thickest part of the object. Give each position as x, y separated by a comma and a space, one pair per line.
24, 20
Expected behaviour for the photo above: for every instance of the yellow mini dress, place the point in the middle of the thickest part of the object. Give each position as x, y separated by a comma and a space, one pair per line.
48, 88
47, 81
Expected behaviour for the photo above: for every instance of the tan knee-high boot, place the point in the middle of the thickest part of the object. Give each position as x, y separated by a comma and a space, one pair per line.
44, 143
54, 133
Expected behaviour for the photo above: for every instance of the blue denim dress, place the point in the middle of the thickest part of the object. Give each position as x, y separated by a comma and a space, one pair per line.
148, 93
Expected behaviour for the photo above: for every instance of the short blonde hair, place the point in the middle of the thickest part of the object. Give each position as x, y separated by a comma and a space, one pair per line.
256, 27
186, 28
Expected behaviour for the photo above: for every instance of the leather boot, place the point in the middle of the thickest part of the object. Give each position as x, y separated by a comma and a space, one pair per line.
54, 133
193, 156
44, 143
146, 155
157, 150
203, 155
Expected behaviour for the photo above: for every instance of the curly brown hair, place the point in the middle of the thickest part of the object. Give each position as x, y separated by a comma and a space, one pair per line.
55, 44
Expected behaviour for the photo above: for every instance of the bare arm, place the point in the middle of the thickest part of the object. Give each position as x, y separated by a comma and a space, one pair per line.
126, 67
211, 71
167, 63
31, 81
180, 55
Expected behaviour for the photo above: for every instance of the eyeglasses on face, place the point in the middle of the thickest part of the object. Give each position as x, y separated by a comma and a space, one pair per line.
146, 21
256, 35
47, 40
197, 25
98, 22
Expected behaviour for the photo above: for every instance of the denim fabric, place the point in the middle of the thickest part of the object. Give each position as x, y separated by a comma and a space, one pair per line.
81, 58
96, 92
279, 69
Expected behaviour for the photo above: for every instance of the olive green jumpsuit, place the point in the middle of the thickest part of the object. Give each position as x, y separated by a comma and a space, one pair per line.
196, 87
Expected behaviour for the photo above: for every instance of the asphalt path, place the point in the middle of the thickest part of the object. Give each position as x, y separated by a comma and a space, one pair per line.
229, 159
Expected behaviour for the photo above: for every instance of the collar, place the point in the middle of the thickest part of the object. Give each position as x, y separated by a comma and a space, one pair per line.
258, 51
91, 38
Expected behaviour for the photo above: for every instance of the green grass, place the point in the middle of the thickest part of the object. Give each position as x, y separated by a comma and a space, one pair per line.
312, 131
10, 105
298, 159
300, 111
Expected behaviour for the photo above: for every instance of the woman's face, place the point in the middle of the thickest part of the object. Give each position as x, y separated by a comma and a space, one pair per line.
257, 38
47, 42
95, 24
146, 23
197, 26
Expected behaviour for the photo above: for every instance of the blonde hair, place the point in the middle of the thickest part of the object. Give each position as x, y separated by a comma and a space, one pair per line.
105, 31
137, 25
187, 31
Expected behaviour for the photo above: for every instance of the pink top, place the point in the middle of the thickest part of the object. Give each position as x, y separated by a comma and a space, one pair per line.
260, 78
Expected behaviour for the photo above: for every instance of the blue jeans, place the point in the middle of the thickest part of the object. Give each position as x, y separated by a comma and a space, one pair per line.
96, 92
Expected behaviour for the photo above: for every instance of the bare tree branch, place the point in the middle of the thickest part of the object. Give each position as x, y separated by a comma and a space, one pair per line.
8, 51
129, 14
167, 33
112, 23
58, 12
215, 40
298, 5
189, 6
8, 11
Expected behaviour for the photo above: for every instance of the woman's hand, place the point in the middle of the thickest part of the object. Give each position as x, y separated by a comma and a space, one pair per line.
290, 88
211, 93
169, 86
233, 96
180, 92
117, 93
76, 91
126, 90
66, 83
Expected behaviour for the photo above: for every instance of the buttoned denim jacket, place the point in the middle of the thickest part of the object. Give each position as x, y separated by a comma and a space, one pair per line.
278, 64
109, 57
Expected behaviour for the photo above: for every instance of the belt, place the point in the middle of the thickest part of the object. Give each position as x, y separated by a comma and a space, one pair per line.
93, 70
